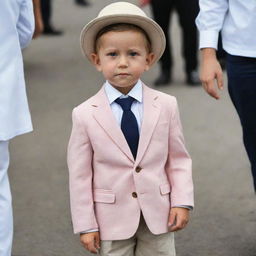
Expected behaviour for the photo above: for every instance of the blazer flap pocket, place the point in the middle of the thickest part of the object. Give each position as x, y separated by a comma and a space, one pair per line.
165, 189
104, 196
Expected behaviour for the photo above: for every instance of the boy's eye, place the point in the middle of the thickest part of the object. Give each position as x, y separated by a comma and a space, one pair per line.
112, 54
133, 54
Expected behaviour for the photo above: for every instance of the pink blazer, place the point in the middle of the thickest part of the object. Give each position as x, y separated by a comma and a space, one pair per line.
108, 188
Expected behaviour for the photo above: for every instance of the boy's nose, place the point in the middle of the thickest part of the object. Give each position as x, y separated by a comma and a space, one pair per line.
123, 63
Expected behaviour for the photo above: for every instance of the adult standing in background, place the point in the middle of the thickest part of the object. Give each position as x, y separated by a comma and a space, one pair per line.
237, 21
187, 12
46, 6
16, 31
82, 2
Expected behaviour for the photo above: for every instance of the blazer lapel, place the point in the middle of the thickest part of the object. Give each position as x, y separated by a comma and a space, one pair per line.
104, 116
151, 113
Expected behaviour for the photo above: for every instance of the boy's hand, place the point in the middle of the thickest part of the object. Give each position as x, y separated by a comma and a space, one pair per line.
178, 218
91, 241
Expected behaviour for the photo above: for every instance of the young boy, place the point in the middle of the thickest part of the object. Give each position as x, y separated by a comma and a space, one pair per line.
130, 174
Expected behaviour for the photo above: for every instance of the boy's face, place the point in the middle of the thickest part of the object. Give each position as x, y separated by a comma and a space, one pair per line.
122, 57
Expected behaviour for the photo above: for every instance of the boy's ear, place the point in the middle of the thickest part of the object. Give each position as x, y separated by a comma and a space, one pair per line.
149, 60
96, 61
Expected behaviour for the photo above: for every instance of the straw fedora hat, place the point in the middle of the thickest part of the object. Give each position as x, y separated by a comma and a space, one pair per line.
122, 12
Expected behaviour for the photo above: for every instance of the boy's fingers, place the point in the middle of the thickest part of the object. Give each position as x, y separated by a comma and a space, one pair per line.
97, 242
90, 243
174, 228
172, 219
178, 219
180, 224
92, 248
177, 225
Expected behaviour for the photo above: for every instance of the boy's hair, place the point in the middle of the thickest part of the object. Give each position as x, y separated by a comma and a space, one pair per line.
121, 27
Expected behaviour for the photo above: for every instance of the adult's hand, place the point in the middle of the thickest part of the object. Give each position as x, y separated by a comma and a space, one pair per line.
143, 2
211, 74
39, 26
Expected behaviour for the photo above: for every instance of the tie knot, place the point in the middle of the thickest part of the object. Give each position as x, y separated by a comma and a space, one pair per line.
125, 103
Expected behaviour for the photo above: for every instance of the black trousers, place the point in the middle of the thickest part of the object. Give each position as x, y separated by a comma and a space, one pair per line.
46, 7
187, 11
242, 89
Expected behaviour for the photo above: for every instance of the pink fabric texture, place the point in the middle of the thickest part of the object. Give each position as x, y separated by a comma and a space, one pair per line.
104, 174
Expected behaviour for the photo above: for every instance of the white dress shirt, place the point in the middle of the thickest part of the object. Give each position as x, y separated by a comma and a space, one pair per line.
16, 31
137, 105
236, 19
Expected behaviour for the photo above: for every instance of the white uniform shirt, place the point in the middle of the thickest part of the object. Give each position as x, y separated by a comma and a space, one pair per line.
16, 31
236, 19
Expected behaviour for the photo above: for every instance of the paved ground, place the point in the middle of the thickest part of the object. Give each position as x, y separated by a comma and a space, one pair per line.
224, 220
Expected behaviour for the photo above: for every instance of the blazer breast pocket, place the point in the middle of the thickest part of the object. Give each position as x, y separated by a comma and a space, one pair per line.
104, 196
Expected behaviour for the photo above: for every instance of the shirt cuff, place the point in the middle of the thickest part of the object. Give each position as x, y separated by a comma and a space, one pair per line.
189, 207
208, 39
89, 231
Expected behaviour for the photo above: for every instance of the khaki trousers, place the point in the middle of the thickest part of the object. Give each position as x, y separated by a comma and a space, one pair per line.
143, 243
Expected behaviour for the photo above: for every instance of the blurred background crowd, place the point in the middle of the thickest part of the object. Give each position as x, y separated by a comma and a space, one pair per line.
58, 79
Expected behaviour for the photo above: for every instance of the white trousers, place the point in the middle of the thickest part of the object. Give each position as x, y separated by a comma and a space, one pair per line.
6, 216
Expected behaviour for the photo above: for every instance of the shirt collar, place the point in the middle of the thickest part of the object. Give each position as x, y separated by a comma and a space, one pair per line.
113, 94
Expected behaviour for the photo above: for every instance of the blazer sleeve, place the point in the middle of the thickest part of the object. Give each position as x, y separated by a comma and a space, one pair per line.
179, 163
80, 177
25, 24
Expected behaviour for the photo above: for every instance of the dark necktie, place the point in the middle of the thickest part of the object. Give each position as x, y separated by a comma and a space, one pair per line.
129, 124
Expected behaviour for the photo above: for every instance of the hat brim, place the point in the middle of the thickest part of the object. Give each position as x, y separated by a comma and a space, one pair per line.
153, 30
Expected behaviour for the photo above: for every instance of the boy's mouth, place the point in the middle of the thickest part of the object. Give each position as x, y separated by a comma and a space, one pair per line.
123, 74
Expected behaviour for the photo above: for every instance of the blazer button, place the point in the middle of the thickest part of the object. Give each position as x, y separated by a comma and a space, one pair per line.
138, 169
134, 194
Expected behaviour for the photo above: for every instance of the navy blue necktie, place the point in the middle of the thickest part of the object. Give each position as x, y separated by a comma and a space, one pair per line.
129, 125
